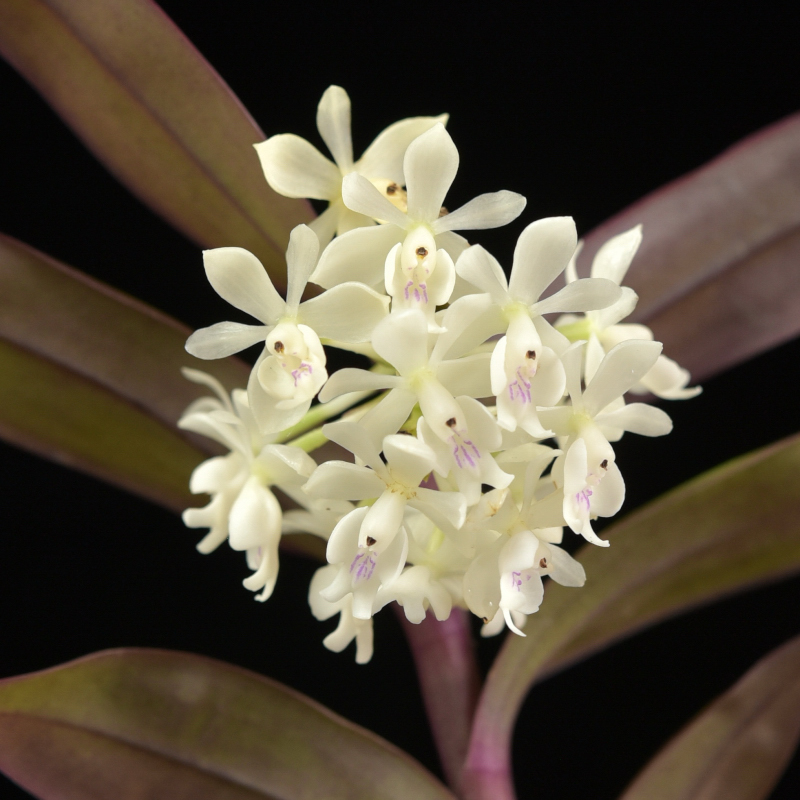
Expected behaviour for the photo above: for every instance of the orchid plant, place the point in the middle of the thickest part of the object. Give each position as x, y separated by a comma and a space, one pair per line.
448, 471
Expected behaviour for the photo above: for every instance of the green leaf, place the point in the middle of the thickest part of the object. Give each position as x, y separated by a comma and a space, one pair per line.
150, 107
729, 529
149, 723
739, 746
717, 273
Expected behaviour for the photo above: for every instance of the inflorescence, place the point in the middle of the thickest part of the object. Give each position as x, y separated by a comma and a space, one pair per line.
481, 430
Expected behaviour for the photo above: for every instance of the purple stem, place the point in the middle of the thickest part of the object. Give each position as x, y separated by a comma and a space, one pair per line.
448, 676
487, 774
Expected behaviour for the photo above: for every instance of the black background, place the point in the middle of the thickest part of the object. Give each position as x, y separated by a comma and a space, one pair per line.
582, 110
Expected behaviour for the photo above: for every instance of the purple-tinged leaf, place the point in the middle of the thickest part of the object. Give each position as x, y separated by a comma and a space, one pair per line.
101, 334
739, 746
717, 273
730, 529
61, 415
150, 723
90, 377
152, 109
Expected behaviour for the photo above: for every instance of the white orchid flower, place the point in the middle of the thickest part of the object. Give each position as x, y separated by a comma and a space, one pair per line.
430, 547
295, 168
349, 627
361, 570
430, 165
393, 486
526, 371
243, 509
463, 425
507, 574
592, 482
292, 368
416, 590
603, 331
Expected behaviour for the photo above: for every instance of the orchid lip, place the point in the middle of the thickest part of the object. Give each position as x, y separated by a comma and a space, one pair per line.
362, 566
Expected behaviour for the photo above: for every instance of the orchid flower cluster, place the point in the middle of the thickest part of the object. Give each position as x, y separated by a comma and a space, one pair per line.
482, 428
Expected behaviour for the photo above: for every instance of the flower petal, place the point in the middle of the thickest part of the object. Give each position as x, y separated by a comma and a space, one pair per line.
430, 166
469, 375
586, 294
441, 508
255, 517
295, 168
454, 243
638, 418
224, 339
350, 379
409, 459
354, 438
340, 480
668, 380
384, 157
616, 312
346, 313
358, 255
387, 417
615, 256
491, 210
480, 268
609, 494
333, 124
301, 259
622, 367
565, 569
327, 223
402, 340
543, 251
361, 196
239, 277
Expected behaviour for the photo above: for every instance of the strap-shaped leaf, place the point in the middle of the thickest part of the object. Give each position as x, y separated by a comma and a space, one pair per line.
101, 334
149, 723
734, 527
152, 109
717, 274
737, 748
90, 377
62, 416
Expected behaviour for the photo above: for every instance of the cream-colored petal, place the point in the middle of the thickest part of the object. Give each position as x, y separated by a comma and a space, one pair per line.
638, 418
491, 210
225, 339
301, 259
586, 294
340, 480
346, 313
615, 256
333, 123
430, 166
480, 268
240, 278
295, 168
402, 340
361, 196
357, 256
543, 251
622, 367
384, 157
